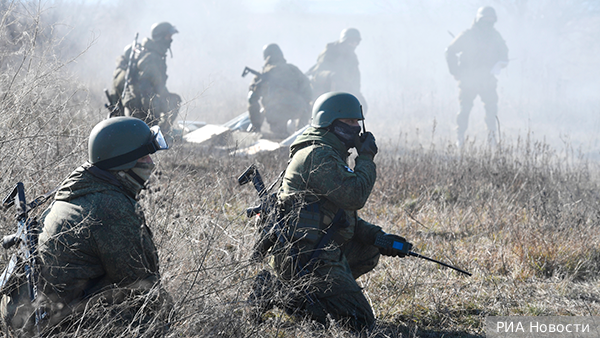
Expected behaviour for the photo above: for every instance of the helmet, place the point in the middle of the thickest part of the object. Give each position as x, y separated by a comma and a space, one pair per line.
273, 51
486, 12
350, 34
117, 143
335, 105
161, 29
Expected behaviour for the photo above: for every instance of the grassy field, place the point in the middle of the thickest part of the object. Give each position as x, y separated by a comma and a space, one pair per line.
522, 218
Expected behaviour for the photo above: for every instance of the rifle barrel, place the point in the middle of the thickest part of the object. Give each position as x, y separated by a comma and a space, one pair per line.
414, 254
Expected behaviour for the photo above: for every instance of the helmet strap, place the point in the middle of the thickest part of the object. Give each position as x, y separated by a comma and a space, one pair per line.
130, 184
136, 177
101, 174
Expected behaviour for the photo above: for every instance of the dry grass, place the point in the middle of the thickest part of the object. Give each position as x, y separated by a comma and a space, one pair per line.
521, 218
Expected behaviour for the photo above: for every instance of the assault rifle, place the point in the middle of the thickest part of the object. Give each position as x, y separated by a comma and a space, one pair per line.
267, 205
250, 70
266, 219
116, 106
27, 239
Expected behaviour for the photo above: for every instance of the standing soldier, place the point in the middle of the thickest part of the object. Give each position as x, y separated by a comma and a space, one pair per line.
474, 58
146, 96
337, 67
284, 92
323, 246
95, 248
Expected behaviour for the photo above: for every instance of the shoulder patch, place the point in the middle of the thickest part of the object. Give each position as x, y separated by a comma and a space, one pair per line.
349, 170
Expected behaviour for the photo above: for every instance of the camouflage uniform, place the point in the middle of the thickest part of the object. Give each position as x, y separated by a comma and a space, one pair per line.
147, 97
480, 48
285, 93
318, 175
94, 241
337, 70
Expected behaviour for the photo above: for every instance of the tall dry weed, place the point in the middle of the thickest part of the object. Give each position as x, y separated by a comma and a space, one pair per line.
522, 217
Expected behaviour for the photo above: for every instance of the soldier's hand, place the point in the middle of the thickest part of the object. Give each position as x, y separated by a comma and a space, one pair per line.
392, 245
366, 145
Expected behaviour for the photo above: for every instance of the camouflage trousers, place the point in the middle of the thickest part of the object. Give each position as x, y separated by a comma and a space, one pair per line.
485, 88
161, 111
144, 314
332, 292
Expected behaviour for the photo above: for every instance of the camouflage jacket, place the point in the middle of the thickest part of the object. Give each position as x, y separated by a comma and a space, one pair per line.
479, 49
150, 77
340, 64
318, 173
94, 238
284, 89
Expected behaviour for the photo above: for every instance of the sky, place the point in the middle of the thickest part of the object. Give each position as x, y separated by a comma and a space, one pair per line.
550, 90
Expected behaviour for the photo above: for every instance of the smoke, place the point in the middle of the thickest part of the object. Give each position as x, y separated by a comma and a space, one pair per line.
550, 90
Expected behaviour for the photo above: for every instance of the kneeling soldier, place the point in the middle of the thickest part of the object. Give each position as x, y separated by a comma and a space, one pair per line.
322, 244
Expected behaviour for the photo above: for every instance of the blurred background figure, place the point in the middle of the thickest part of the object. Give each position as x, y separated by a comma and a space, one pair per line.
281, 94
337, 67
474, 58
146, 96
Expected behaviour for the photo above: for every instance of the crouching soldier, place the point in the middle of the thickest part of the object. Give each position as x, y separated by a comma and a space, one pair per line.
96, 251
322, 245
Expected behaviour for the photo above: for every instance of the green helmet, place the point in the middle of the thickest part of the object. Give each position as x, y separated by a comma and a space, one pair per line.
273, 51
350, 34
117, 143
161, 29
335, 105
486, 12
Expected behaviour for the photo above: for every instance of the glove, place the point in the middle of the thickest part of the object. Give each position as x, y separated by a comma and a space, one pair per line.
366, 145
392, 245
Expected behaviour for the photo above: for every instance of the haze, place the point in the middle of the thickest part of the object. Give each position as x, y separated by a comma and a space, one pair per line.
550, 91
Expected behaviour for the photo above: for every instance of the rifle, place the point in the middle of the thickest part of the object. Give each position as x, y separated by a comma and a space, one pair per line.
267, 205
250, 70
114, 107
264, 211
117, 107
404, 248
27, 238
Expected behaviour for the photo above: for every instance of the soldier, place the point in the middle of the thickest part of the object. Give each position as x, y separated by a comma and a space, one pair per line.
337, 67
146, 96
323, 246
483, 53
284, 92
95, 247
